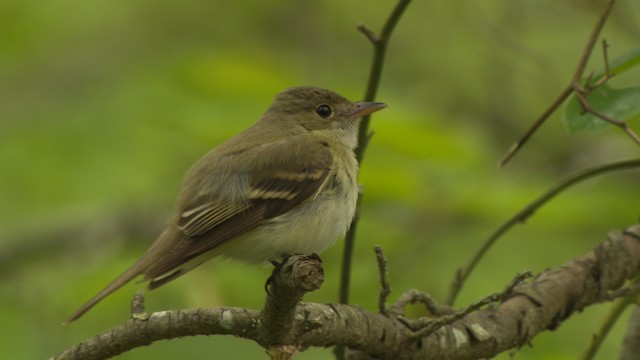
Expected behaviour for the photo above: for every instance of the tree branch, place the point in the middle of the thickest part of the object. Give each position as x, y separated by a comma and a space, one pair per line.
543, 304
297, 276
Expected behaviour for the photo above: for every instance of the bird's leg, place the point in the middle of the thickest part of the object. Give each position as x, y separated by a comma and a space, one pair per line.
277, 266
315, 256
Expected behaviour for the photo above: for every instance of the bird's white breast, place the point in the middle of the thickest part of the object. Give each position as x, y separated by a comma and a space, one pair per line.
311, 227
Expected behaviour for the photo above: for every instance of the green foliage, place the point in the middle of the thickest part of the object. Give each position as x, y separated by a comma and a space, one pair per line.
621, 104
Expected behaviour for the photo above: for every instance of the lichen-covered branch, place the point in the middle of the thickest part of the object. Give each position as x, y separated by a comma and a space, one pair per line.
543, 304
292, 279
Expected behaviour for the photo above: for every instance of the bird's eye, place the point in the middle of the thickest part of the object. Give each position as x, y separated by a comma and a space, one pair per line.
324, 111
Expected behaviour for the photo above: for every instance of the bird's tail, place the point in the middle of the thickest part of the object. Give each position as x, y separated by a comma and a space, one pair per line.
135, 270
158, 248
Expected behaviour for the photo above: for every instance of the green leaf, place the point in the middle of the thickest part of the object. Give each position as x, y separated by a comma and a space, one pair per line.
620, 64
621, 104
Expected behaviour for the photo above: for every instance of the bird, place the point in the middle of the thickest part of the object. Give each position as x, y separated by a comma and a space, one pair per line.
285, 185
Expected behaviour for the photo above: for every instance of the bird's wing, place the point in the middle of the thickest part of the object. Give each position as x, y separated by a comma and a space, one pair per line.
283, 175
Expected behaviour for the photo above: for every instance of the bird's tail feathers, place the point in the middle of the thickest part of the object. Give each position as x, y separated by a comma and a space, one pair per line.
129, 274
166, 240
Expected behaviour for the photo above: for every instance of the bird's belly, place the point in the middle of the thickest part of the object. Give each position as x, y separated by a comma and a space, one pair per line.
309, 228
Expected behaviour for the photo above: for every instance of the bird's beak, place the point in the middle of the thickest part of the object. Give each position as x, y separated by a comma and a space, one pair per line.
366, 108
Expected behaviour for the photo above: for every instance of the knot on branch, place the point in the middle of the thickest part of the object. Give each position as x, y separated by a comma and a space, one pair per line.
298, 274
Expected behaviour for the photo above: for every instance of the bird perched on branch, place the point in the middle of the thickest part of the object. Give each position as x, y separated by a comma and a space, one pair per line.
286, 185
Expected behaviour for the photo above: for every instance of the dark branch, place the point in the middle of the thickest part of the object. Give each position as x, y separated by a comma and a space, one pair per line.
631, 342
600, 333
581, 95
347, 254
379, 51
385, 288
520, 217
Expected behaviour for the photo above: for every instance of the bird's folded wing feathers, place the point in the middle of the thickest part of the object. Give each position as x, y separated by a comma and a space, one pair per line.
280, 180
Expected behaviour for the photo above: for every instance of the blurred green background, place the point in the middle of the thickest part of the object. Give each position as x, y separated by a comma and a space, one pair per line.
105, 104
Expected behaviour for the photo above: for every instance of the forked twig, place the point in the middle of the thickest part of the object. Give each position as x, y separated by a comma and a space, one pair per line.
423, 327
580, 92
385, 288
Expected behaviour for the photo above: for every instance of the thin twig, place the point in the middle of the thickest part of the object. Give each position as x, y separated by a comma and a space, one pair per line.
598, 337
413, 296
385, 288
425, 326
591, 42
631, 341
463, 274
580, 68
347, 254
607, 71
536, 124
372, 36
605, 53
581, 95
379, 43
379, 50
